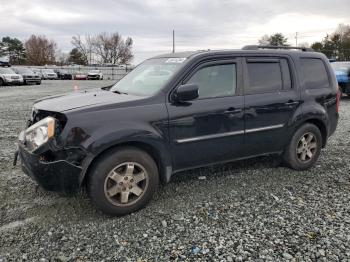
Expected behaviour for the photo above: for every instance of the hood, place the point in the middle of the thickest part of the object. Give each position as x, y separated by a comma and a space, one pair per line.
65, 102
9, 75
30, 75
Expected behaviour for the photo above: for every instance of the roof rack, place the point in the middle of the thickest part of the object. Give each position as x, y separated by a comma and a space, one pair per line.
257, 47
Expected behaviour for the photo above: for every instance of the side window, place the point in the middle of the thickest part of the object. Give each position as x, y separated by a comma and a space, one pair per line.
314, 72
215, 80
266, 76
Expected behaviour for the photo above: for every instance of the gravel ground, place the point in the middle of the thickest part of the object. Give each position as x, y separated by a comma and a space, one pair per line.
247, 210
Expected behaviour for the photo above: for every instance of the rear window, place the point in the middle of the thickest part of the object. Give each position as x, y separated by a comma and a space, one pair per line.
315, 73
264, 77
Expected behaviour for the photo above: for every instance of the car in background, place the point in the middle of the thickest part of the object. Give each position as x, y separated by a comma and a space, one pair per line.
95, 75
38, 72
342, 73
9, 77
4, 64
63, 74
48, 74
80, 76
29, 77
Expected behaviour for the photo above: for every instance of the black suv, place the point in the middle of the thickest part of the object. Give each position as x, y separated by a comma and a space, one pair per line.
180, 111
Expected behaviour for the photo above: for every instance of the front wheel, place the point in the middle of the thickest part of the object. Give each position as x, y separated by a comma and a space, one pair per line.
123, 181
304, 147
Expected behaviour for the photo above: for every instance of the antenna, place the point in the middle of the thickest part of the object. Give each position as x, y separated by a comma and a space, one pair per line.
173, 41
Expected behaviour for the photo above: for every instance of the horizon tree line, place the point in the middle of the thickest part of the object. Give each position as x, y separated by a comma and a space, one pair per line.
38, 50
112, 48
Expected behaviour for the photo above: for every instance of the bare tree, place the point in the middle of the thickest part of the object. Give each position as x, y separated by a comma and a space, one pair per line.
106, 48
277, 39
264, 40
61, 57
84, 47
112, 48
40, 50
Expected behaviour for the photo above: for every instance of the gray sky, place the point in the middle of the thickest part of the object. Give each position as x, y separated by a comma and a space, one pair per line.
199, 24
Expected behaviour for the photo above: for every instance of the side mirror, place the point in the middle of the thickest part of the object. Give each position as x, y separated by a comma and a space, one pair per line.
186, 92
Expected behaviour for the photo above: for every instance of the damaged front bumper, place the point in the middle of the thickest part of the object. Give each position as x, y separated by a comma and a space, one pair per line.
58, 175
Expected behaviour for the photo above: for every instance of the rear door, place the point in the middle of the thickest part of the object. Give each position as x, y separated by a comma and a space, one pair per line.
271, 98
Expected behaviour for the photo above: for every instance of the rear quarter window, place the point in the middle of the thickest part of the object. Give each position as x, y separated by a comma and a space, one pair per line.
314, 73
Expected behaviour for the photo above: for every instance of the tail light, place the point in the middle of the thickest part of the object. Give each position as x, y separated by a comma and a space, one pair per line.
338, 100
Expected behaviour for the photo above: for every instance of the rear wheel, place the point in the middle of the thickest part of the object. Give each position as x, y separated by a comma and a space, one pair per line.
2, 83
304, 147
123, 181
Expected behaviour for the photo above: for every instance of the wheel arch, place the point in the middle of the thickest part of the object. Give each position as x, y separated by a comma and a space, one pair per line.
160, 157
321, 125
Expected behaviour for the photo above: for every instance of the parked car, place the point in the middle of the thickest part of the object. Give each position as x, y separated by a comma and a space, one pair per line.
95, 75
63, 74
38, 72
48, 74
80, 76
29, 77
5, 64
9, 77
342, 73
213, 107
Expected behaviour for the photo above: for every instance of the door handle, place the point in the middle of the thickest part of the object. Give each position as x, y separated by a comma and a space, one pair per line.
291, 103
233, 110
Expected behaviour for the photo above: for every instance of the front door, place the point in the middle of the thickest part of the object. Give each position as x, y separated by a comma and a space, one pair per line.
211, 128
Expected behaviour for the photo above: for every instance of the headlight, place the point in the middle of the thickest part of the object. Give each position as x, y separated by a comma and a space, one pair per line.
40, 133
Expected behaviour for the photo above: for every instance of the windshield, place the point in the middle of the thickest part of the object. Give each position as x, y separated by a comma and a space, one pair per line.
341, 66
149, 77
6, 71
24, 71
48, 71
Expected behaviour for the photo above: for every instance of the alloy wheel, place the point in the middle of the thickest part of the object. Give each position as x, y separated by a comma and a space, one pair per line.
306, 148
126, 184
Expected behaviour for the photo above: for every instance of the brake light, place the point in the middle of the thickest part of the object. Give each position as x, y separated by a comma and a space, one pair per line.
338, 100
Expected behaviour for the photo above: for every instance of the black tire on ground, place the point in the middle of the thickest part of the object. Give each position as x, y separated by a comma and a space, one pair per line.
2, 83
299, 147
38, 83
100, 181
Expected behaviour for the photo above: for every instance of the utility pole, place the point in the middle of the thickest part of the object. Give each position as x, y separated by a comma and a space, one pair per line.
296, 39
173, 41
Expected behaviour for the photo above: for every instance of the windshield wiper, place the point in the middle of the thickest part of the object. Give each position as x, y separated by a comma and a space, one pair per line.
120, 93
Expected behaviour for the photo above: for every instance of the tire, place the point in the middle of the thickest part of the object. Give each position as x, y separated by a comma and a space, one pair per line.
2, 83
299, 148
118, 173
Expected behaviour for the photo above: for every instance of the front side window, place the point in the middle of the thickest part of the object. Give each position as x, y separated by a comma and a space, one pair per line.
24, 71
215, 80
48, 71
264, 77
149, 77
314, 72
